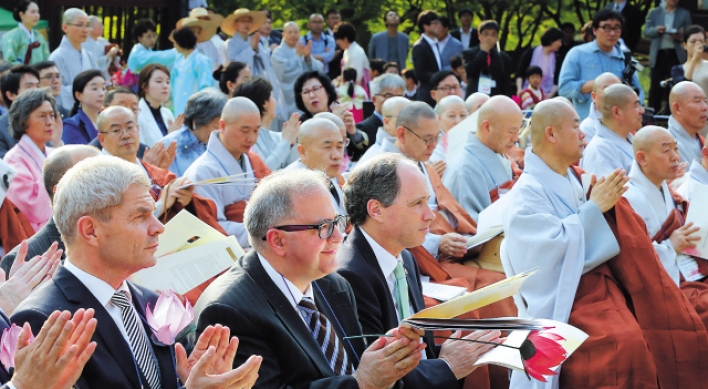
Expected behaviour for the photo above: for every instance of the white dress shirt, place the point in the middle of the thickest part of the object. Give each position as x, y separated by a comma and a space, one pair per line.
291, 292
433, 42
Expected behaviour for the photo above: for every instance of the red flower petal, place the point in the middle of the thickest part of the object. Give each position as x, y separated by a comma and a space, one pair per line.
549, 354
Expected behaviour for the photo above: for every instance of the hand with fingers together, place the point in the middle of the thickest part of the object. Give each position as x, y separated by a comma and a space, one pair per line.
386, 361
57, 356
26, 276
608, 190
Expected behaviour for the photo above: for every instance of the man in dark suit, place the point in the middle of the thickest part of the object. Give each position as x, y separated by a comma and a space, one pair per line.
466, 34
488, 70
383, 88
285, 302
56, 164
426, 54
632, 28
104, 210
389, 217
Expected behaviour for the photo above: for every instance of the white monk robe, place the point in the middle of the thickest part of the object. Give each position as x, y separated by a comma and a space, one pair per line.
218, 162
472, 174
589, 124
606, 152
337, 202
70, 63
288, 66
375, 149
654, 206
689, 146
548, 224
697, 175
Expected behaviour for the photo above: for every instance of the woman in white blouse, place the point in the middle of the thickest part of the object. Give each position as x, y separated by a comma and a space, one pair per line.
354, 56
155, 120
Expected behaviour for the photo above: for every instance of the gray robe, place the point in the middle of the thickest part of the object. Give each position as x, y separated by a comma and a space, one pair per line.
70, 63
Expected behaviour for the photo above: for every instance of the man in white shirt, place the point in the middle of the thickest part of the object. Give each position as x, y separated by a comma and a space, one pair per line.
611, 148
426, 55
688, 117
589, 123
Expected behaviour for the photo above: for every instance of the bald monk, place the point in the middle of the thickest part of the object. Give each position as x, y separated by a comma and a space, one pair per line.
481, 174
228, 153
611, 148
601, 83
475, 101
321, 148
596, 264
688, 117
389, 110
697, 175
451, 111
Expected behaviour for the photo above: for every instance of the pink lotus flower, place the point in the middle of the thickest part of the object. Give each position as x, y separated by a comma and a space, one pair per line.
541, 352
8, 346
170, 317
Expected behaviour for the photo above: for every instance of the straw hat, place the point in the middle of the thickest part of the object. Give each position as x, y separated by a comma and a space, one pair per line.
203, 14
258, 18
208, 28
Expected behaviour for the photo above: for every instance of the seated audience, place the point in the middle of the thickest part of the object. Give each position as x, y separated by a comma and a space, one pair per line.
389, 112
444, 83
49, 77
475, 101
155, 120
201, 118
32, 123
689, 112
314, 93
191, 71
589, 124
231, 76
697, 175
284, 293
275, 148
228, 153
411, 90
16, 81
383, 88
89, 88
451, 111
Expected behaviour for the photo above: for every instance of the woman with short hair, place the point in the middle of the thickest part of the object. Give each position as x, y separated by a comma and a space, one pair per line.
191, 72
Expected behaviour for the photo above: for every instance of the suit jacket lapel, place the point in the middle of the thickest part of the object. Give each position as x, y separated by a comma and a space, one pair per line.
291, 319
107, 330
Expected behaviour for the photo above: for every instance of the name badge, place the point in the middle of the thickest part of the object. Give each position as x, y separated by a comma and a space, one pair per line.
688, 267
485, 84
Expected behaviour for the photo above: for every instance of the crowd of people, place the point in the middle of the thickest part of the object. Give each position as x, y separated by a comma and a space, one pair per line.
359, 179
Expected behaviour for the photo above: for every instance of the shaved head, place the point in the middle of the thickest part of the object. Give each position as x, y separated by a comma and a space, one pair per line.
604, 80
684, 90
236, 107
321, 145
498, 124
334, 119
475, 101
618, 95
61, 160
496, 108
548, 113
689, 107
314, 128
649, 136
390, 110
448, 101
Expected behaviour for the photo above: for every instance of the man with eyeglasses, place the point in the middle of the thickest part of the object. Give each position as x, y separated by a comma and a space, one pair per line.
49, 77
585, 62
665, 27
70, 57
118, 134
444, 83
383, 88
286, 304
488, 69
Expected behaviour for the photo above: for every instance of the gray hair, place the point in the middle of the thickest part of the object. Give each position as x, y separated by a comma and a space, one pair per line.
61, 160
316, 15
411, 113
237, 106
446, 101
288, 24
23, 106
71, 14
273, 199
387, 81
203, 107
376, 179
102, 120
93, 19
91, 188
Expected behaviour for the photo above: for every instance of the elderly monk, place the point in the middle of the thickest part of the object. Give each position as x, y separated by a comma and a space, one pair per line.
389, 111
451, 111
285, 302
228, 153
688, 117
390, 217
697, 175
482, 173
597, 270
611, 148
321, 148
119, 136
601, 83
475, 101
104, 211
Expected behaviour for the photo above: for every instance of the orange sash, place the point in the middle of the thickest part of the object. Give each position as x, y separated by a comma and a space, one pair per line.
234, 212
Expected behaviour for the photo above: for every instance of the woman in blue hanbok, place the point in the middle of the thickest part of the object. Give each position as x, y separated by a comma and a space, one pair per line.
142, 53
191, 71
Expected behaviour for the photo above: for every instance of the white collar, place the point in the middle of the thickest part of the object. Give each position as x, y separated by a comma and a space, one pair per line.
29, 32
386, 260
698, 172
660, 200
225, 158
604, 132
25, 139
432, 41
291, 292
444, 41
98, 287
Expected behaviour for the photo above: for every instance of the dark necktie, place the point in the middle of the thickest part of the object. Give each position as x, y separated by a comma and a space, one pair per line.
421, 167
324, 334
138, 342
333, 191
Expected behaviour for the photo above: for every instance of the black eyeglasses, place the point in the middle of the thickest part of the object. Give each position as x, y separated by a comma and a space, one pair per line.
324, 229
428, 142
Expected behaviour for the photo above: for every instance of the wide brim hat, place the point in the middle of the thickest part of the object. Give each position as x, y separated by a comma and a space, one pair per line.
257, 18
208, 28
199, 13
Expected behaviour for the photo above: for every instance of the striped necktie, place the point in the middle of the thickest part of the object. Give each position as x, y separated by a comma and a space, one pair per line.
404, 308
324, 334
138, 342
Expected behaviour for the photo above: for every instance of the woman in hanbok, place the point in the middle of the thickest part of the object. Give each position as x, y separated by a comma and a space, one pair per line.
17, 41
33, 120
348, 92
143, 52
354, 56
191, 72
89, 88
155, 120
230, 77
